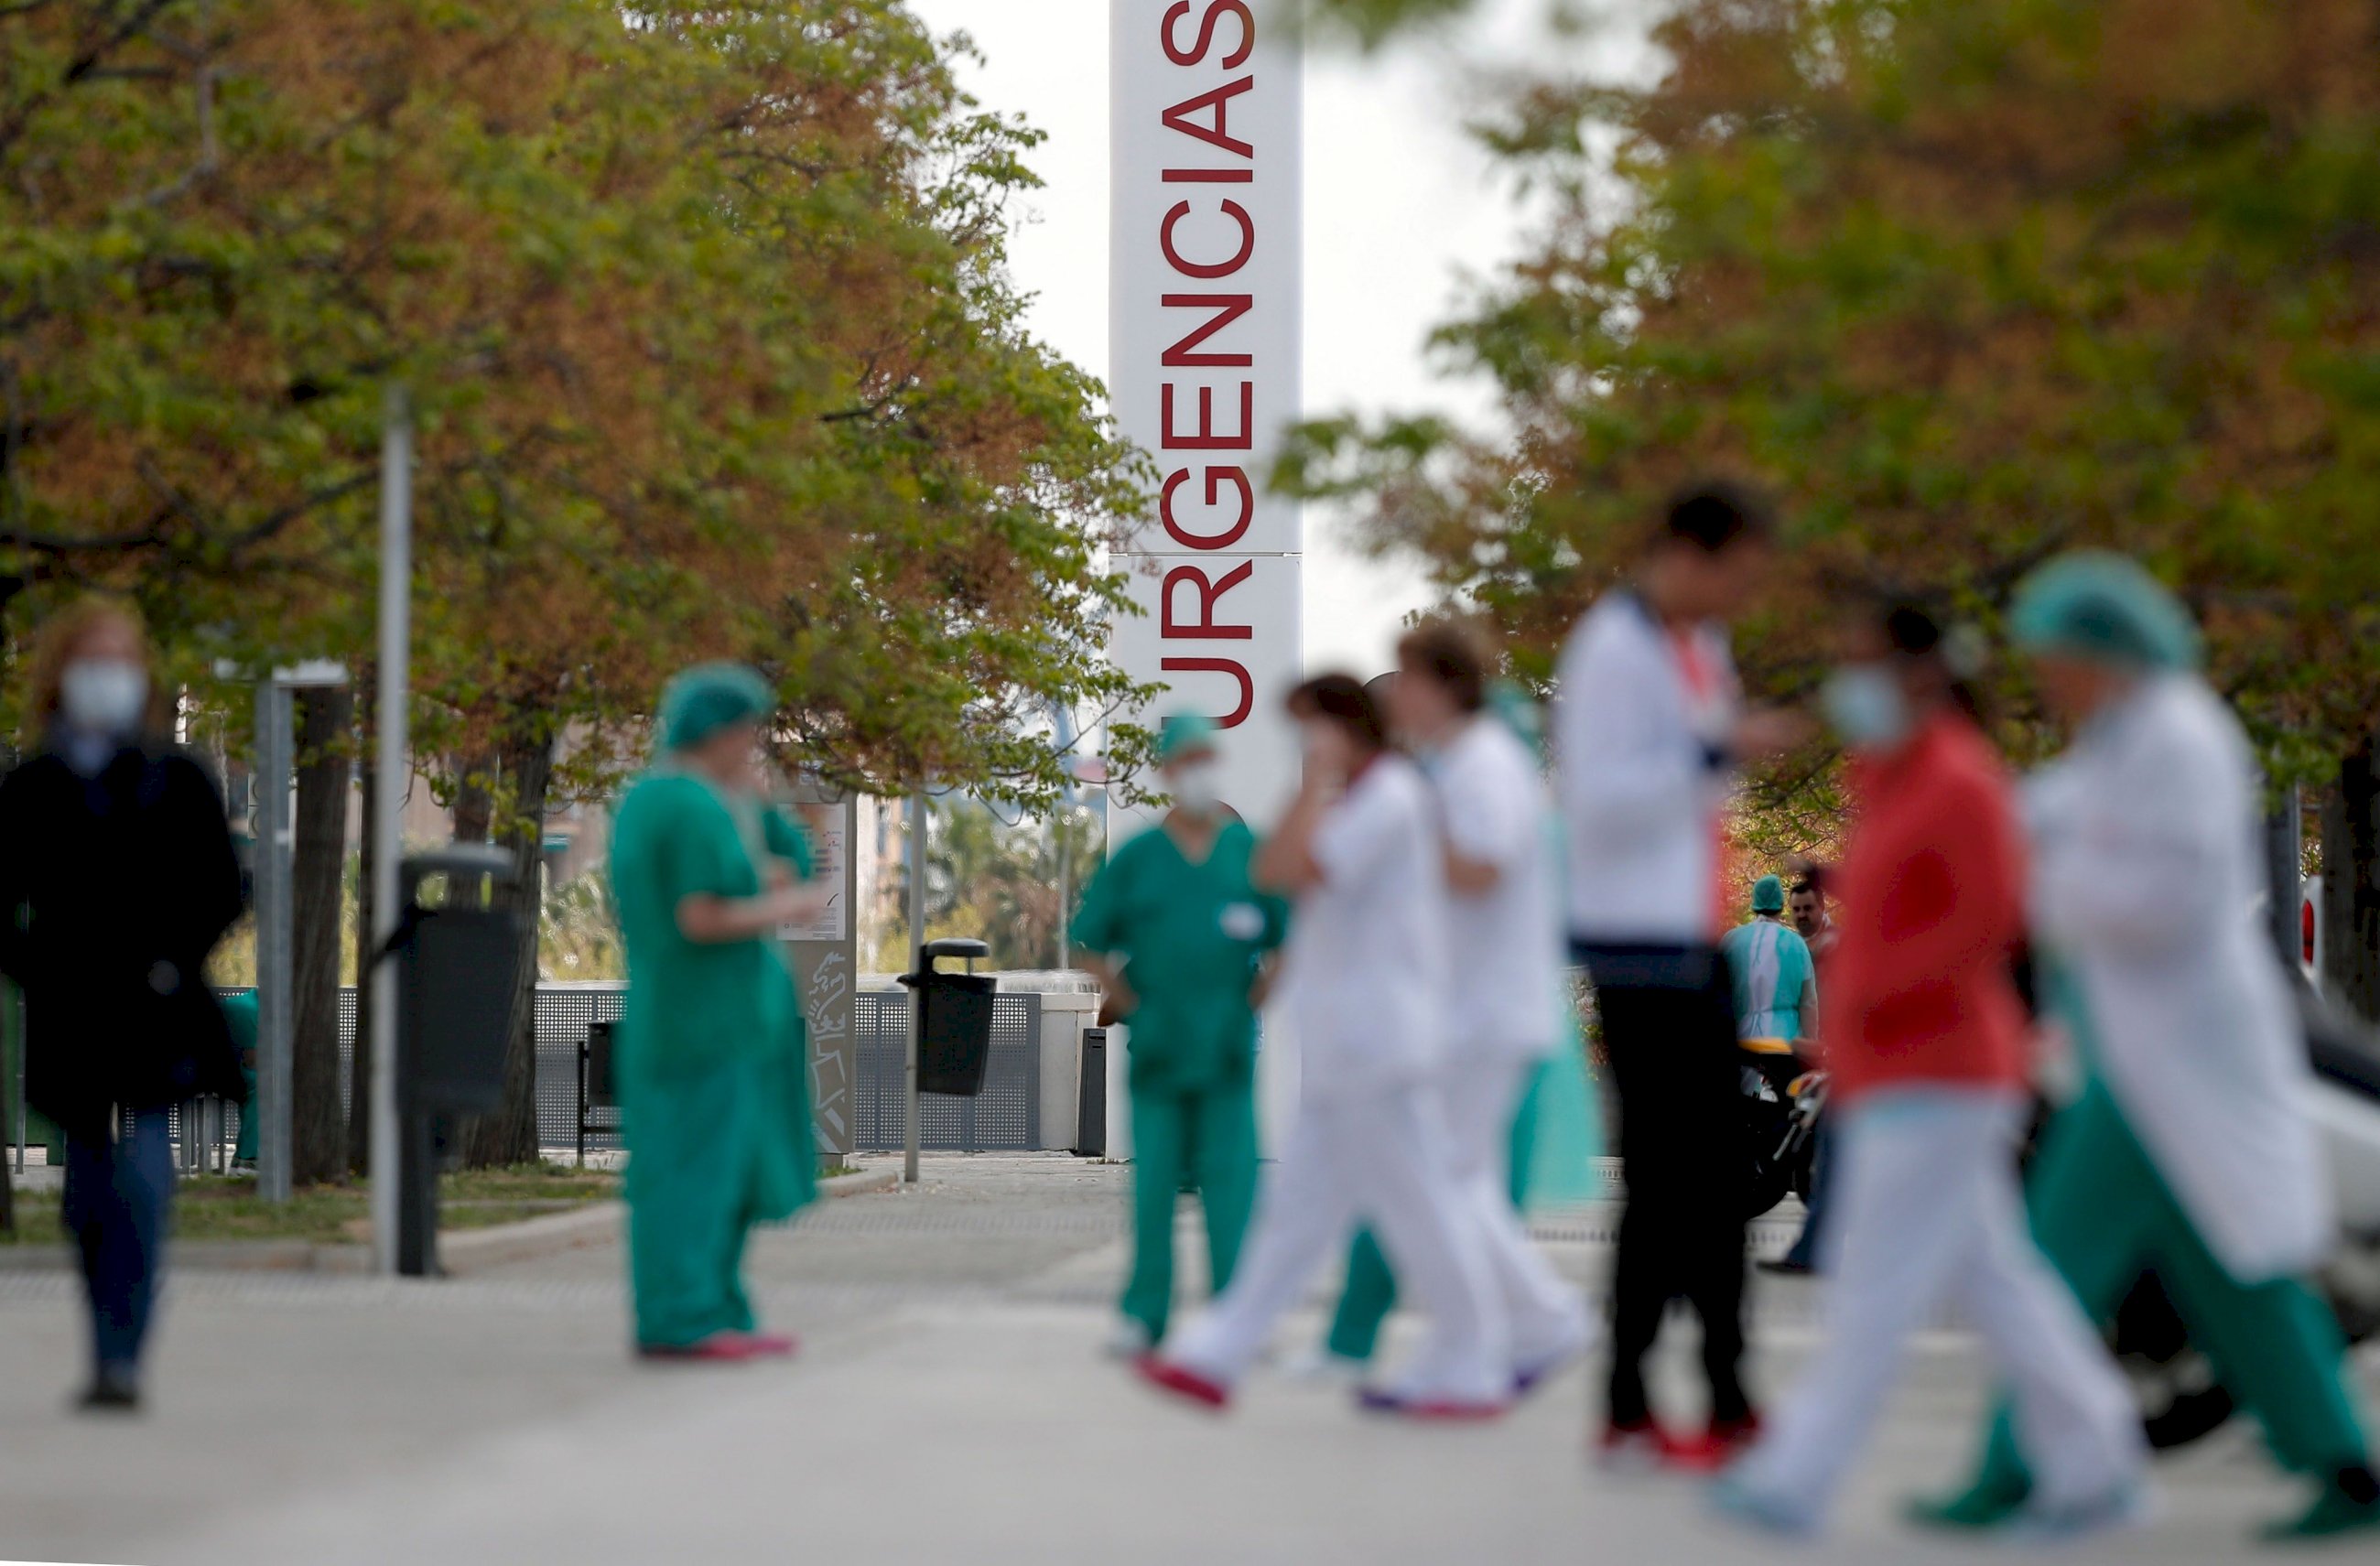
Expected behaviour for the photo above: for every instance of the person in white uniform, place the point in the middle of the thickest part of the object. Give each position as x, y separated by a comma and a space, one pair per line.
1505, 937
1366, 977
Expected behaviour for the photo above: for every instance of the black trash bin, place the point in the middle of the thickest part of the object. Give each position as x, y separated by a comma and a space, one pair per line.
458, 962
1091, 1099
953, 1019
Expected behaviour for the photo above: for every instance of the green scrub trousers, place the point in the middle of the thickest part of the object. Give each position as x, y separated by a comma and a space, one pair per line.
1201, 1135
1371, 1290
2102, 1214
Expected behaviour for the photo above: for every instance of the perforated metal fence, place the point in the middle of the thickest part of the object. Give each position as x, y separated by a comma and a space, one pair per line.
1005, 1117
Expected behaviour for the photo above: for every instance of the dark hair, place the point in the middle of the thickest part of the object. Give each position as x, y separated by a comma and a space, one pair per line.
1456, 653
1343, 700
1715, 516
1915, 633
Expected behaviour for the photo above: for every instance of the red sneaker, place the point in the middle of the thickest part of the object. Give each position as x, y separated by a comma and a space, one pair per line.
1720, 1444
1188, 1385
772, 1345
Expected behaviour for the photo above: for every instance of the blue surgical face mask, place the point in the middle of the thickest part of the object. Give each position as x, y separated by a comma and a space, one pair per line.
103, 696
1866, 705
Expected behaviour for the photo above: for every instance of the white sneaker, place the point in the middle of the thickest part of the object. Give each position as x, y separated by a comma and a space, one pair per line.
1128, 1340
1580, 1335
1317, 1366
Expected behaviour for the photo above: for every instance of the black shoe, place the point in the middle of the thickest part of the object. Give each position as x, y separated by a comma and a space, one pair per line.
112, 1391
1786, 1266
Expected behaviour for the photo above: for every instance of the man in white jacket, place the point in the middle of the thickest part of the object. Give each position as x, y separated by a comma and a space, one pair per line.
1648, 730
2191, 1149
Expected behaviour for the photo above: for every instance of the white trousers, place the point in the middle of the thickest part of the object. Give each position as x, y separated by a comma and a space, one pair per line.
1928, 1206
1380, 1160
1545, 1315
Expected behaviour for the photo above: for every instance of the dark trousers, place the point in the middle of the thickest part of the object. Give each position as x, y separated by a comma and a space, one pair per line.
1805, 1251
115, 1200
1673, 1060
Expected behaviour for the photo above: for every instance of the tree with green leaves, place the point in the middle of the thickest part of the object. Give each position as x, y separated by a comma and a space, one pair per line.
1965, 282
703, 315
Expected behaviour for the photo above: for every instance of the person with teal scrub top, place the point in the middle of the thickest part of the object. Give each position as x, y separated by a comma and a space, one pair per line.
1179, 934
1776, 981
239, 1016
713, 1059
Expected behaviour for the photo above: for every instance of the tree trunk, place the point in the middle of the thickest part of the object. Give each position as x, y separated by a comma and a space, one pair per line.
509, 1135
359, 1072
2350, 885
318, 1133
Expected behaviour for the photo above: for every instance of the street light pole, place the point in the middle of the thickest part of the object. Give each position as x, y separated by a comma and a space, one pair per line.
917, 993
389, 764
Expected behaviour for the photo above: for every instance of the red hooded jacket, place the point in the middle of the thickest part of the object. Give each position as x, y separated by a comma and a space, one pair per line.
1930, 909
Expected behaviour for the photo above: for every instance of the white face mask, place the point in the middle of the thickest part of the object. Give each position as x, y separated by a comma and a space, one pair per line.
1866, 706
1198, 787
103, 696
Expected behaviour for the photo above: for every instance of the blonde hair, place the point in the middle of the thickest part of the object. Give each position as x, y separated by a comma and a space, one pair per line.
63, 634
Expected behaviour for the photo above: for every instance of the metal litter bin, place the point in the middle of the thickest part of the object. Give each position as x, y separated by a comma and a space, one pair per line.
953, 1019
459, 965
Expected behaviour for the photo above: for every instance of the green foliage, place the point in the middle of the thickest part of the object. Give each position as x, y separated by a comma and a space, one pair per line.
1965, 282
703, 316
997, 879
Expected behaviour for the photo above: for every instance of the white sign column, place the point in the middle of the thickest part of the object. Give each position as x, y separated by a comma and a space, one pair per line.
1206, 347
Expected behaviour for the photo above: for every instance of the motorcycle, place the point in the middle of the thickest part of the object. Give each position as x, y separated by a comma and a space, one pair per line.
1782, 1104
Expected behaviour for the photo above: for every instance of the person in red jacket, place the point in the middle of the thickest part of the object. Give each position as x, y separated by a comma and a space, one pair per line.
1926, 1038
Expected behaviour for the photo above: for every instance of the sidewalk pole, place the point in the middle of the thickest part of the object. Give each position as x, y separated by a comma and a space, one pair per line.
917, 994
389, 766
275, 1065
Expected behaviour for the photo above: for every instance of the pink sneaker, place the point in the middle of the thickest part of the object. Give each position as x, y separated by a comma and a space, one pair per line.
717, 1348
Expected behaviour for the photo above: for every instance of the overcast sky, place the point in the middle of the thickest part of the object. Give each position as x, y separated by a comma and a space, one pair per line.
1400, 206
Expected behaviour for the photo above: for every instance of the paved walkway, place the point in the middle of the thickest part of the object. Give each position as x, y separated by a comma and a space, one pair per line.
951, 1408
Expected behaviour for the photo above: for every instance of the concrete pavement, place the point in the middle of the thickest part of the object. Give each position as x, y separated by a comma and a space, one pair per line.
949, 1407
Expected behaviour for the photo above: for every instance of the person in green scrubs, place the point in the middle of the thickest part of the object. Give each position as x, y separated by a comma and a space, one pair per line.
713, 1060
239, 1016
1179, 936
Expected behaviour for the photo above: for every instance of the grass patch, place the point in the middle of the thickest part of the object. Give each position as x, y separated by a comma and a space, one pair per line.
211, 1208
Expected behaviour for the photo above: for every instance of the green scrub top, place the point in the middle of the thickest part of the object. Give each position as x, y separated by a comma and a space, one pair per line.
1770, 965
1190, 938
693, 1005
240, 1014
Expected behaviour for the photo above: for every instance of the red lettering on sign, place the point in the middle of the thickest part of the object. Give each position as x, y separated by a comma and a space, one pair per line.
1210, 176
1215, 13
1228, 308
1231, 210
1204, 438
1203, 628
1215, 478
1238, 714
1219, 133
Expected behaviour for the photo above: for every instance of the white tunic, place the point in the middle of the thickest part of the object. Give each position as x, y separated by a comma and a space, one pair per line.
1506, 941
2148, 861
1642, 775
1366, 969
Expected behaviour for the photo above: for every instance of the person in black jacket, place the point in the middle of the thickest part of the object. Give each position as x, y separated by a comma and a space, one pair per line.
117, 878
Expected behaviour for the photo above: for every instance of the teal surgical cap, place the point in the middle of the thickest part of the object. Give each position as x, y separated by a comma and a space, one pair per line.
710, 697
1183, 734
2103, 608
1769, 896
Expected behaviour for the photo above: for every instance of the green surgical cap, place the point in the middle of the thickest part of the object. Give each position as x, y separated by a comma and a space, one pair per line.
2106, 609
1769, 896
710, 697
1183, 734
